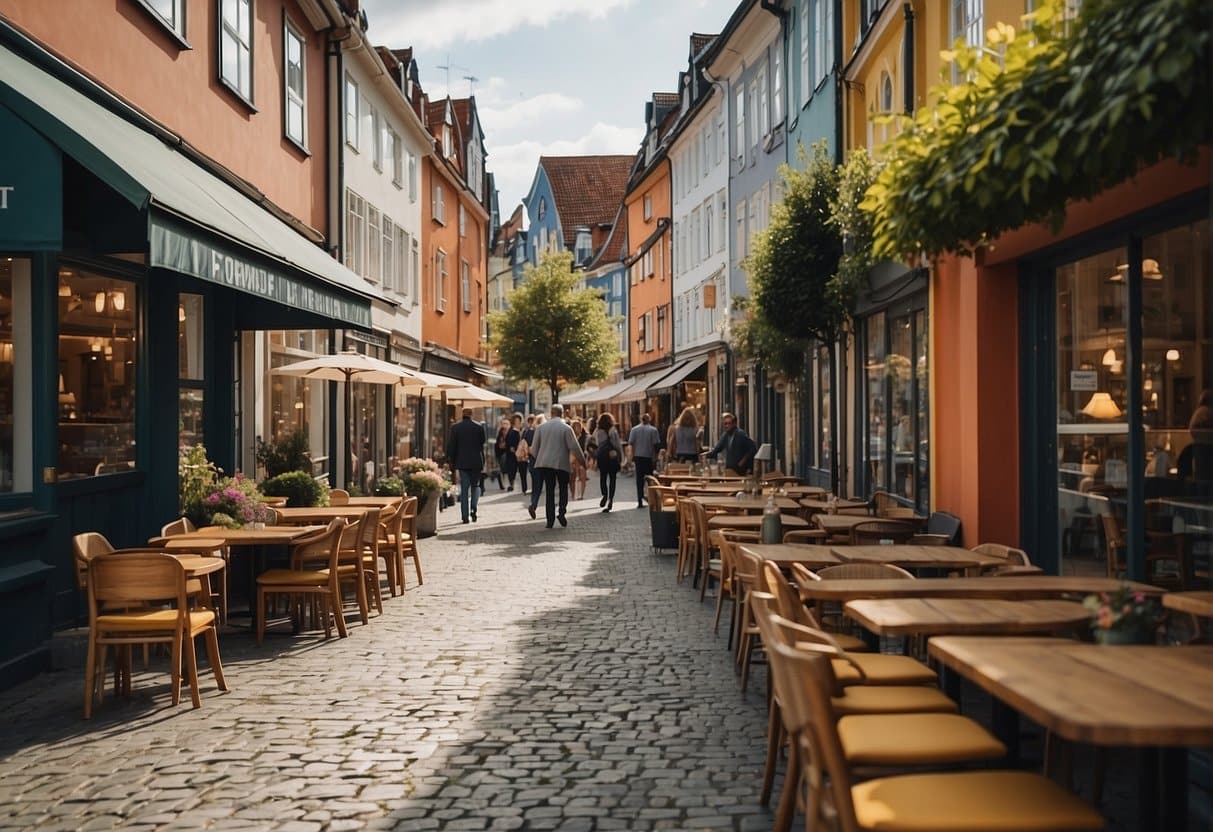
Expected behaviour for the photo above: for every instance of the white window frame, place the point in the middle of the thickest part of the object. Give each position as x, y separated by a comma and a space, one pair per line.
415, 270
397, 159
739, 115
752, 135
438, 204
231, 37
648, 207
722, 136
412, 177
722, 211
175, 24
355, 232
708, 226
966, 23
352, 125
374, 271
777, 85
292, 99
662, 324
387, 259
740, 214
465, 284
400, 247
806, 85
764, 109
448, 141
440, 280
463, 221
376, 139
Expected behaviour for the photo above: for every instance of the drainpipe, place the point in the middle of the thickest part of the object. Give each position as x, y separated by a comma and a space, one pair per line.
840, 87
907, 60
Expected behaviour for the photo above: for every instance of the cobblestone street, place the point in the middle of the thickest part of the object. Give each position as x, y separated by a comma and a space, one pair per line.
540, 679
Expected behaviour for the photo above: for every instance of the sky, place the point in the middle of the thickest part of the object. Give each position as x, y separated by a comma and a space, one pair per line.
554, 77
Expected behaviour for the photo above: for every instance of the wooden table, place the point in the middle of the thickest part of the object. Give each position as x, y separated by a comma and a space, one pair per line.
753, 505
840, 523
674, 479
965, 616
1194, 603
321, 514
818, 506
1014, 588
373, 502
753, 522
1156, 698
918, 557
786, 554
269, 536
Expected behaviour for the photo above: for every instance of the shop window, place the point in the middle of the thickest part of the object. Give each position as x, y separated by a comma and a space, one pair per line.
190, 343
97, 355
16, 427
295, 403
825, 413
236, 46
295, 99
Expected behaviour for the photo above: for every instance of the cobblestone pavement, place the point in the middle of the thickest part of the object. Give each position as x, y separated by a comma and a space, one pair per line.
540, 679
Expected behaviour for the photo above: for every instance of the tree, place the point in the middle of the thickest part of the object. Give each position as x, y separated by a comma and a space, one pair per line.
552, 331
1046, 116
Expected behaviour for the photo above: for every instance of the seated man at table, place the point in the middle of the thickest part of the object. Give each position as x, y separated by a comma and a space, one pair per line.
738, 447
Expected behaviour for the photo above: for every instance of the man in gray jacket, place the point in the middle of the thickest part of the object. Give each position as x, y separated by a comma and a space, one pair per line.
465, 453
554, 442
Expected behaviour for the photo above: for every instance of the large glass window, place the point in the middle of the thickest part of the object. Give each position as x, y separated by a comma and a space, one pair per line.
896, 407
294, 403
97, 354
16, 429
295, 98
825, 413
190, 342
236, 46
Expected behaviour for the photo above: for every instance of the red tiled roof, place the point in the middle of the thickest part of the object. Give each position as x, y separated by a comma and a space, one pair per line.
404, 55
588, 189
665, 99
699, 42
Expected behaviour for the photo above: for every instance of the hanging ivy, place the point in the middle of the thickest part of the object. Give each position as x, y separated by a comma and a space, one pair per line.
1058, 112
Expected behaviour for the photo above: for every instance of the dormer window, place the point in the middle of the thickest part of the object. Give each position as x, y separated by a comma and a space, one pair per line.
448, 144
543, 207
584, 246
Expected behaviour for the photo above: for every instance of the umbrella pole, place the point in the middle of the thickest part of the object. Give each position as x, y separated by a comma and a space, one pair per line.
349, 467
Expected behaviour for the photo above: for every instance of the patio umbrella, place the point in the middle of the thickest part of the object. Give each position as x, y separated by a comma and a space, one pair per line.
346, 367
423, 383
472, 396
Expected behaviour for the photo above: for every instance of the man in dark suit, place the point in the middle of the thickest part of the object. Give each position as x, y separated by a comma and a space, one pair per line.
465, 454
738, 447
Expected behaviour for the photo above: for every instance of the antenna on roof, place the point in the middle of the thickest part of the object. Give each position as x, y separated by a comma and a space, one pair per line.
471, 79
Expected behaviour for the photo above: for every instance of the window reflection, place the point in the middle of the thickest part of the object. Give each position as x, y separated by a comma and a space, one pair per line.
96, 374
16, 462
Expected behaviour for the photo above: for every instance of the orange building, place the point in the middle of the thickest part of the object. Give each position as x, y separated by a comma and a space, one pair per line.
454, 234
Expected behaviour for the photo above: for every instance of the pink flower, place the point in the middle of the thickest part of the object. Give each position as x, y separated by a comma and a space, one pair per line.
1104, 618
1139, 597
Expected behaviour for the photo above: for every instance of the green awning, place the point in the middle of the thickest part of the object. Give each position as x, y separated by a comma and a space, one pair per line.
198, 224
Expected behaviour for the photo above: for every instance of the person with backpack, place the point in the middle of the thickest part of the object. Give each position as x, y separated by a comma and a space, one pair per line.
610, 459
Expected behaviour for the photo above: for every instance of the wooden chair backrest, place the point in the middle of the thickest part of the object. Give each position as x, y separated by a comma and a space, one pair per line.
368, 531
354, 534
862, 570
86, 546
930, 540
133, 576
393, 521
805, 536
339, 497
1114, 541
321, 544
1013, 556
874, 531
801, 574
677, 468
409, 525
749, 570
181, 525
272, 518
686, 521
804, 682
649, 479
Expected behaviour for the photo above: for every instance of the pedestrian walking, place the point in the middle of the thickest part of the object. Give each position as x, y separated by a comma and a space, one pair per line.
555, 445
500, 452
737, 446
642, 445
536, 483
522, 453
579, 476
684, 437
465, 453
609, 457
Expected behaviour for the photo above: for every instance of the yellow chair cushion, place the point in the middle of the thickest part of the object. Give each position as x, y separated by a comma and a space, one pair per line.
915, 739
972, 801
151, 620
893, 699
292, 577
882, 669
852, 644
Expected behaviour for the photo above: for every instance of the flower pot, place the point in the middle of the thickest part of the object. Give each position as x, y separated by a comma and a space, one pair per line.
427, 515
1132, 635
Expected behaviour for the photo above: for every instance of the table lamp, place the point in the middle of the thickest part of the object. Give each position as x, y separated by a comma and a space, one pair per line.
765, 454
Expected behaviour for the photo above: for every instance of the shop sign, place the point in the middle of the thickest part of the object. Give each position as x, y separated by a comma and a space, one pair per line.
31, 188
1084, 381
709, 296
179, 251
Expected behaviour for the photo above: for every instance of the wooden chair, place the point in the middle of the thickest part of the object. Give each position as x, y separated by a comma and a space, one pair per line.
805, 536
139, 581
351, 569
1013, 559
971, 800
688, 538
183, 525
728, 586
790, 606
323, 548
882, 501
851, 571
389, 543
678, 468
86, 546
663, 518
914, 727
408, 548
923, 539
874, 531
1116, 546
339, 497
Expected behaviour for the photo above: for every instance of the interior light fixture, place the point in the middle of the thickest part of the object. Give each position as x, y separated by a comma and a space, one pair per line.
99, 302
118, 299
65, 291
181, 314
1172, 354
1109, 357
1101, 406
1149, 271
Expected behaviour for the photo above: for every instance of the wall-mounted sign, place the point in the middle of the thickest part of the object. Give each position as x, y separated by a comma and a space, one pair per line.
1084, 381
181, 250
31, 188
709, 296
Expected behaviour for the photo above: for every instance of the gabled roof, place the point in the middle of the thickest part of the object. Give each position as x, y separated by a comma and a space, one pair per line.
615, 247
587, 189
699, 42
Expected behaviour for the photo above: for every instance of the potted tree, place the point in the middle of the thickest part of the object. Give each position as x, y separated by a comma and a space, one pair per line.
423, 479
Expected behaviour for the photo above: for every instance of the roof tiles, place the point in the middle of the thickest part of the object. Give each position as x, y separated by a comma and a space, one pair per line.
588, 189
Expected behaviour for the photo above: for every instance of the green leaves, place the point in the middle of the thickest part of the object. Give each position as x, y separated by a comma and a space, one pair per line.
1065, 111
553, 331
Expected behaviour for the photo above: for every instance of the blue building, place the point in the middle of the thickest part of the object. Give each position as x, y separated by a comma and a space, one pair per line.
812, 34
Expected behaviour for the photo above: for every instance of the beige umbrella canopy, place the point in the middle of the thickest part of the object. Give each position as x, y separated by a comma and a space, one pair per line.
472, 396
422, 383
346, 367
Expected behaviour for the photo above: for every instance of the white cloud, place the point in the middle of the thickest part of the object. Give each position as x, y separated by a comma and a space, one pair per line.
514, 165
527, 111
438, 23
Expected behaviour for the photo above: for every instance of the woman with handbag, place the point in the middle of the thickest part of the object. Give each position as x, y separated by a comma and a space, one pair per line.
522, 451
610, 458
507, 447
579, 476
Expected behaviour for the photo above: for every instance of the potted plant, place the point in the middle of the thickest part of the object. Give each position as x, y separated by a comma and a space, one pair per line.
232, 502
298, 487
423, 479
1123, 616
389, 487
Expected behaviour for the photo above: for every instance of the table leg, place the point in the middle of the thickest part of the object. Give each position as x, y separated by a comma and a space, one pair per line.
1163, 788
950, 680
1005, 721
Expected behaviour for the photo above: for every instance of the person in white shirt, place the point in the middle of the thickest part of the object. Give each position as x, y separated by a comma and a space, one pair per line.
642, 445
554, 448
